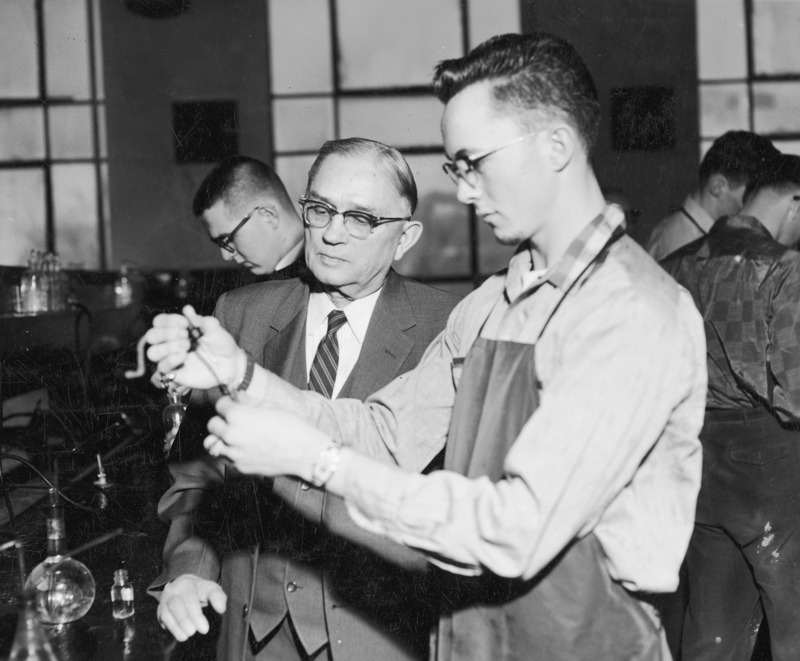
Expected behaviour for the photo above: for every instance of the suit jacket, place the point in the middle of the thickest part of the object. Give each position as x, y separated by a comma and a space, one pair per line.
362, 593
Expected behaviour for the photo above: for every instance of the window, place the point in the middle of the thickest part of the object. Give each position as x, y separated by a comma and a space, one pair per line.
749, 69
52, 152
379, 87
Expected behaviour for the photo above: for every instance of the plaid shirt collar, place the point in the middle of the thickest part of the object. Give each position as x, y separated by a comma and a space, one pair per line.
580, 253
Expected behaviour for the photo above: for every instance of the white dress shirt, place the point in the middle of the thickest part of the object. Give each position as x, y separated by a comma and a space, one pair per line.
350, 335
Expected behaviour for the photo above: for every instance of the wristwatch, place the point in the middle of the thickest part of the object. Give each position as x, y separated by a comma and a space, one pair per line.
326, 463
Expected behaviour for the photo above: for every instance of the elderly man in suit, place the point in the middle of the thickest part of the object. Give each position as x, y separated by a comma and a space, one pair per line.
319, 587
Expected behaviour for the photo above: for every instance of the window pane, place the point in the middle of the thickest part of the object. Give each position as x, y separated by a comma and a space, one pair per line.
21, 134
18, 45
443, 249
721, 41
302, 124
490, 17
300, 44
775, 107
723, 108
22, 214
293, 171
776, 27
788, 146
385, 43
397, 121
66, 48
492, 256
75, 215
71, 132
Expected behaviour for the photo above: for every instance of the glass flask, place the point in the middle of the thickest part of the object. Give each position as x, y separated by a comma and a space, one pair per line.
121, 595
64, 587
172, 416
30, 642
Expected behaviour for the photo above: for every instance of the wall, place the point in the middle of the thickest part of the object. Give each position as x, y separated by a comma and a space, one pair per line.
215, 51
631, 43
219, 50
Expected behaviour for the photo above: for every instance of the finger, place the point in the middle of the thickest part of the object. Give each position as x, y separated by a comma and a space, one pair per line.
215, 446
188, 614
160, 350
168, 622
218, 427
190, 314
217, 598
169, 320
225, 405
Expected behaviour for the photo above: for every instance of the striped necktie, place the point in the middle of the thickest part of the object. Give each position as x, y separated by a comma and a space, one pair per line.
323, 369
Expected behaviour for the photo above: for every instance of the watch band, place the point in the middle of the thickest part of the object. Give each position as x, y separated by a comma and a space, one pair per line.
248, 374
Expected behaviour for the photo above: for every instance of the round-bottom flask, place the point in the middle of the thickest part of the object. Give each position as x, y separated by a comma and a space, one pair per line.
64, 589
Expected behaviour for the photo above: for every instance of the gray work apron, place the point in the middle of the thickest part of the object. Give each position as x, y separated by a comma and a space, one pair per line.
572, 610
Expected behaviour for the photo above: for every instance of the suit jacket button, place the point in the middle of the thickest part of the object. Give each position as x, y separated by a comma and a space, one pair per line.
291, 586
245, 610
305, 486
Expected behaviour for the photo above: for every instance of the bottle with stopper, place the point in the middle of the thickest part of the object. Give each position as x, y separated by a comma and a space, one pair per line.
64, 587
121, 595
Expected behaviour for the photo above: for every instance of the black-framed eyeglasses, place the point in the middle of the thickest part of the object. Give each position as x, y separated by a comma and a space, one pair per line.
466, 167
225, 241
357, 224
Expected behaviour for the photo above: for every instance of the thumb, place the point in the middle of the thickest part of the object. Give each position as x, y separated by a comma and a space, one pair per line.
216, 597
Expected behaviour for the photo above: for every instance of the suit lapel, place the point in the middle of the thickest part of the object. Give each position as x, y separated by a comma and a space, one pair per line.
386, 346
284, 346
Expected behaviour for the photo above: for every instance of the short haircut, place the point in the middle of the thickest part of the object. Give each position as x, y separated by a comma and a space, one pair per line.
737, 155
236, 179
781, 173
532, 72
395, 164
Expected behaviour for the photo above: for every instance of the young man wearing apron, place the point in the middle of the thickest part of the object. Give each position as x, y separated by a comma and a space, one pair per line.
569, 391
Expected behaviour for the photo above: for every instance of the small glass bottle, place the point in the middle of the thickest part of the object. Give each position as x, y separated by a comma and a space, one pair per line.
30, 642
121, 595
64, 586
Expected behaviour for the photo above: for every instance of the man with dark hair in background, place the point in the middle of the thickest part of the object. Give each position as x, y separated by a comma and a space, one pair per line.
569, 389
744, 556
249, 215
725, 171
321, 587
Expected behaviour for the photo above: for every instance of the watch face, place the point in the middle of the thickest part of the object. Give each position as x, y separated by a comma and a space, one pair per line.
325, 465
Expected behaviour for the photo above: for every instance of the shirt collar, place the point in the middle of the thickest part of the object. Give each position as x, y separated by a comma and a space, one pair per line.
741, 222
579, 254
698, 213
358, 312
290, 256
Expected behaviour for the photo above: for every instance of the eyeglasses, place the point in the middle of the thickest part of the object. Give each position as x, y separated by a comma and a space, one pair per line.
357, 224
466, 167
225, 241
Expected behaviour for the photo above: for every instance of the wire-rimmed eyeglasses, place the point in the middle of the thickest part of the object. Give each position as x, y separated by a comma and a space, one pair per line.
225, 241
466, 167
357, 224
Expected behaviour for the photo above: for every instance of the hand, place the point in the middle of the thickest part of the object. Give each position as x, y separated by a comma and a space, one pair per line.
263, 441
180, 607
215, 361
